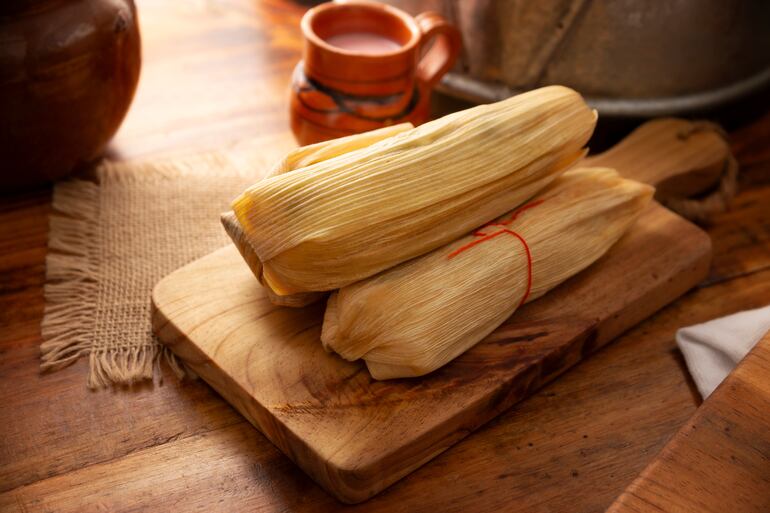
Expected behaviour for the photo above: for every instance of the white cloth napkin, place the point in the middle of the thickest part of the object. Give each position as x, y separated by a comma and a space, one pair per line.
714, 348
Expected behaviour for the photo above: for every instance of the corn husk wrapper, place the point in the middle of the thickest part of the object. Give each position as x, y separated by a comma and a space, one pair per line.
344, 219
418, 316
325, 150
295, 159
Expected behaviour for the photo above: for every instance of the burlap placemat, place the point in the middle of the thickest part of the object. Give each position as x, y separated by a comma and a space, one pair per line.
112, 240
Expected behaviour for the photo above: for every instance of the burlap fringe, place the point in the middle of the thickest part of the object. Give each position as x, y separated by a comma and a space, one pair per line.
70, 289
70, 292
129, 365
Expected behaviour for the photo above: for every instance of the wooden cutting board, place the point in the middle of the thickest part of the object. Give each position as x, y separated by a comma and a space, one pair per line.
354, 435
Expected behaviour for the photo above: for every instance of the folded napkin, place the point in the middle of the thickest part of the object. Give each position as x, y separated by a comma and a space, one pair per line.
714, 348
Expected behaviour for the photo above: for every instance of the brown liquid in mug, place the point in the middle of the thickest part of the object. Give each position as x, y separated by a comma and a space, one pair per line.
363, 42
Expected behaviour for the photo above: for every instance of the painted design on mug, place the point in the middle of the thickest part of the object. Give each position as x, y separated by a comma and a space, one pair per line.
322, 99
367, 65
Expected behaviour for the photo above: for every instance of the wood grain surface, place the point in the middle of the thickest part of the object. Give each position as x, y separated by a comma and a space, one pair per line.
720, 460
672, 154
355, 435
216, 72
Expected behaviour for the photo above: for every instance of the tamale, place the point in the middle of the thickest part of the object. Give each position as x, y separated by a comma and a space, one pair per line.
416, 317
343, 219
298, 158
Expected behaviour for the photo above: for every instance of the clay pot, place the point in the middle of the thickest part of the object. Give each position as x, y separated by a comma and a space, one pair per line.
367, 65
68, 72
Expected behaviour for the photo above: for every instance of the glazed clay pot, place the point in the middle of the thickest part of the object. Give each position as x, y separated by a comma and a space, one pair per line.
346, 85
68, 72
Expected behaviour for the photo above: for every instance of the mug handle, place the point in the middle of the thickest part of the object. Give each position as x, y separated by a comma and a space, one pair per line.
443, 53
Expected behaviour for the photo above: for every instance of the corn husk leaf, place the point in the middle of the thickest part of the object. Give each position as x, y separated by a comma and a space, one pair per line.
325, 150
418, 316
295, 159
344, 219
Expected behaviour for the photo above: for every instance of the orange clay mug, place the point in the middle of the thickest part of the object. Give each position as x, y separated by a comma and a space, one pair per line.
367, 65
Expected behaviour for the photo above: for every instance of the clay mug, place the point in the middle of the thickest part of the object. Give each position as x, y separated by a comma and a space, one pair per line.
68, 71
367, 65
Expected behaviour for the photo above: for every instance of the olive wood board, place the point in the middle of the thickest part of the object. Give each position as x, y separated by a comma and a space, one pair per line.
355, 435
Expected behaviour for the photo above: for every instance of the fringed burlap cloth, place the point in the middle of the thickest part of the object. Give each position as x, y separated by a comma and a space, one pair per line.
112, 240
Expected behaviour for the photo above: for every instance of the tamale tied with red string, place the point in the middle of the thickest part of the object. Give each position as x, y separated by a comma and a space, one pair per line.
418, 316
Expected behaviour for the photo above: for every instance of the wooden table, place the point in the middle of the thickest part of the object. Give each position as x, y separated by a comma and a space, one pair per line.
720, 460
216, 72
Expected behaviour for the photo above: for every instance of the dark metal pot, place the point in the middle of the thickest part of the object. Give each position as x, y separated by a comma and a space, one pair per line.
628, 57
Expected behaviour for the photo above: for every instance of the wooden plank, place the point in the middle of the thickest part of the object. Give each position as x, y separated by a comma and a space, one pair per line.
212, 74
749, 145
23, 239
742, 236
355, 435
720, 460
574, 446
53, 424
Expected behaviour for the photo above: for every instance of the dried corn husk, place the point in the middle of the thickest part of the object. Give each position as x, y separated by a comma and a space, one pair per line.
340, 220
325, 150
234, 230
295, 159
416, 317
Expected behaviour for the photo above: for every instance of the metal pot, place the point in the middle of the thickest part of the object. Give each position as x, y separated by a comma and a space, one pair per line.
628, 57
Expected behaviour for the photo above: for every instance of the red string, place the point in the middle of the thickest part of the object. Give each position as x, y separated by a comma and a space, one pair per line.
485, 237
